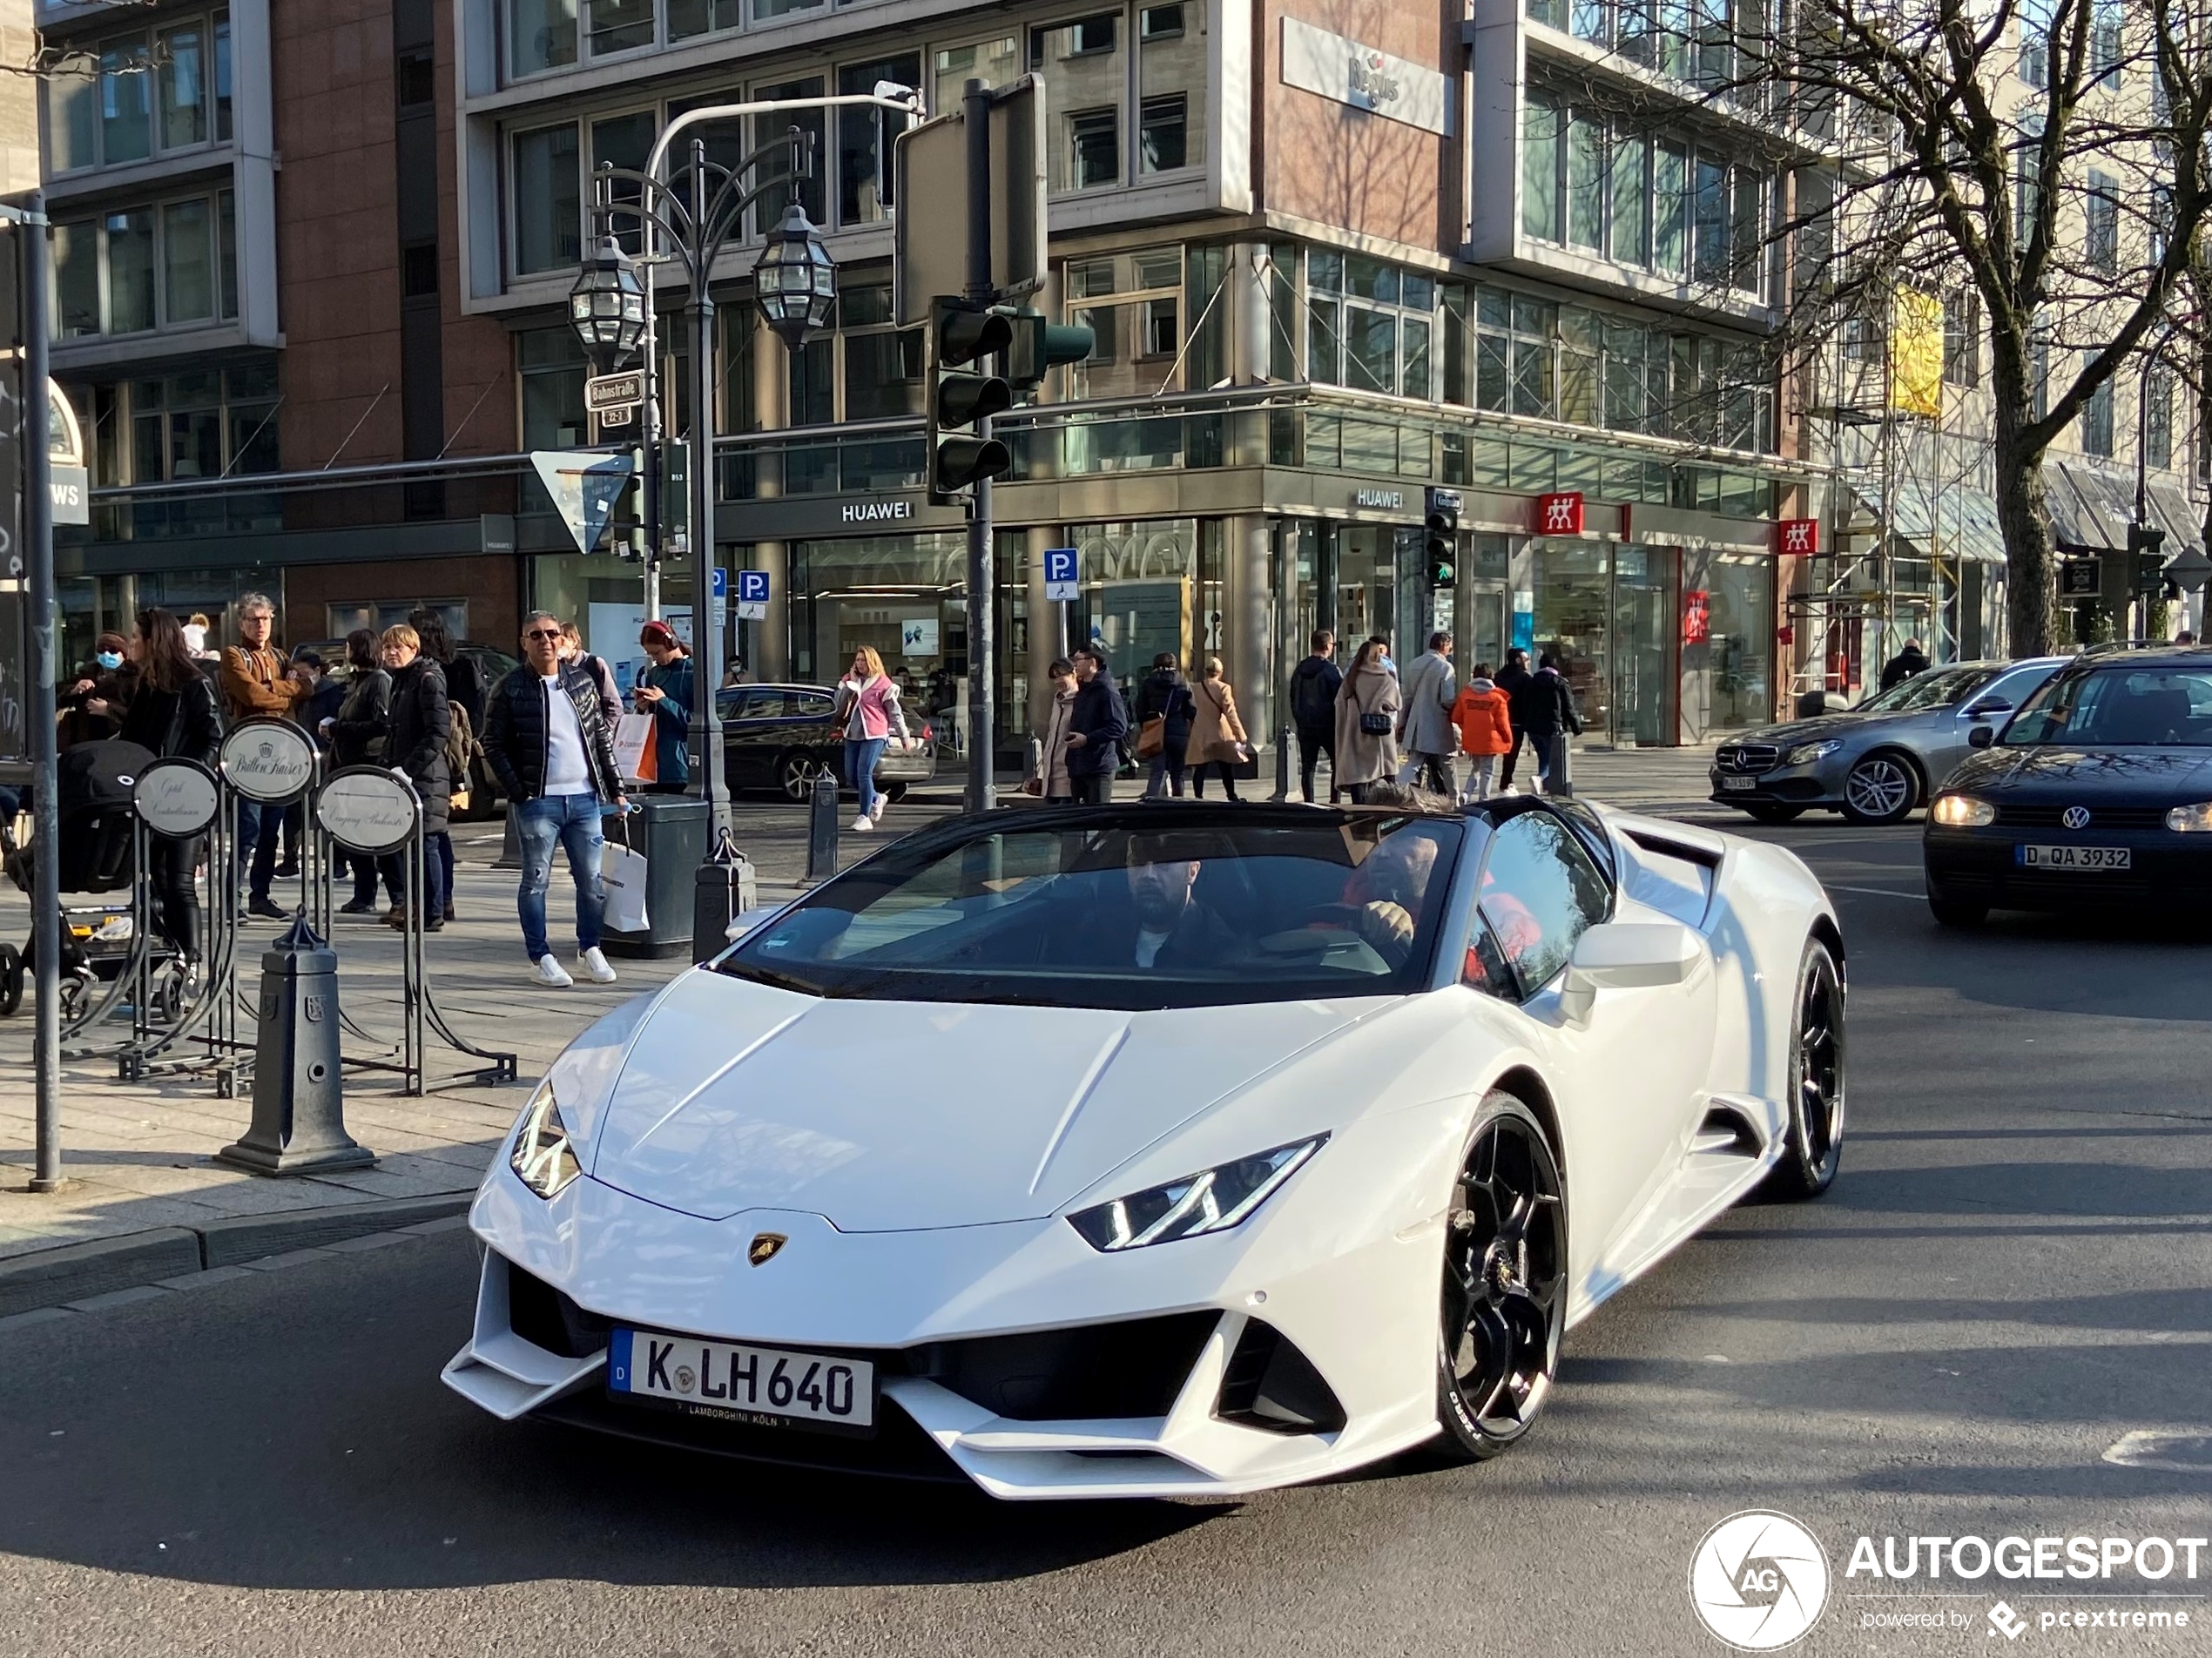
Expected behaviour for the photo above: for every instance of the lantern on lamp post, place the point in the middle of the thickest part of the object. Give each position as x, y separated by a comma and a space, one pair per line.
795, 281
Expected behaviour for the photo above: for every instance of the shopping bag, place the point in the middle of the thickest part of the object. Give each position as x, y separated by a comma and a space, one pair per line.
622, 876
635, 753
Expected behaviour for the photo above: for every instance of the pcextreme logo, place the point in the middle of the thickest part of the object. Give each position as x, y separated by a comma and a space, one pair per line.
1758, 1580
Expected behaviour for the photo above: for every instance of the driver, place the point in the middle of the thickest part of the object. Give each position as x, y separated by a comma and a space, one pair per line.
1386, 891
1164, 925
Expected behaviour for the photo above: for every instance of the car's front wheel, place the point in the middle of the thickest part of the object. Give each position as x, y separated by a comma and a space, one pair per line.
1505, 1283
1881, 789
1814, 1144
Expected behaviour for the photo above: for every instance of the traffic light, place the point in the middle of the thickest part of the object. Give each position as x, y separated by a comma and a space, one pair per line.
962, 392
1040, 346
1442, 541
2146, 557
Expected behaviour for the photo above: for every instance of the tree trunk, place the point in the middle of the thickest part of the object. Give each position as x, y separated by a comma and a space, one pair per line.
2031, 584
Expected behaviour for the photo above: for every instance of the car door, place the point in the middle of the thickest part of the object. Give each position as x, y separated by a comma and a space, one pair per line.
1630, 1080
746, 758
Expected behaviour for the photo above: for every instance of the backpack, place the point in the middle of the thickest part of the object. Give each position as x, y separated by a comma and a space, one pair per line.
460, 747
1311, 703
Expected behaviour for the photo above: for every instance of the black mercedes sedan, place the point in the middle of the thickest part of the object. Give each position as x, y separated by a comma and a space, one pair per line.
2097, 794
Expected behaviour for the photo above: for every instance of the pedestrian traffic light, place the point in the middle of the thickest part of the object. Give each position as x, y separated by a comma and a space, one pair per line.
2146, 557
1442, 541
963, 391
1039, 347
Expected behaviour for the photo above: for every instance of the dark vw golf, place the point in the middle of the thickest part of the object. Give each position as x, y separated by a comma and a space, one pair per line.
2098, 793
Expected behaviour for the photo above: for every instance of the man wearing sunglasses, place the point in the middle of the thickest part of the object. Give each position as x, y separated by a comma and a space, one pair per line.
547, 742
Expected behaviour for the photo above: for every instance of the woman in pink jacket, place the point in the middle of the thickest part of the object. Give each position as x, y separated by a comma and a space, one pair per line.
868, 701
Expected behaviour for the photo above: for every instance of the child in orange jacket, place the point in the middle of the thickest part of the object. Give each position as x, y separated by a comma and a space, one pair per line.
1485, 732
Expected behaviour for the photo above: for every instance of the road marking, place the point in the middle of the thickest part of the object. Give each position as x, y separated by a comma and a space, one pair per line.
1875, 892
2174, 1453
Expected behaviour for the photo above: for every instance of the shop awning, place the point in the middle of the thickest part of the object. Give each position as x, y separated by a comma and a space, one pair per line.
2184, 521
1952, 523
2089, 511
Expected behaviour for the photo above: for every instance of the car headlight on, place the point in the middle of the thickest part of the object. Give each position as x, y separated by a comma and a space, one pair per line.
1806, 753
542, 1156
2191, 820
1962, 811
1212, 1199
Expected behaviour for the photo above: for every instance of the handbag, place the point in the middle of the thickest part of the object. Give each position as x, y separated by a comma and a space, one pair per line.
622, 876
1152, 737
1371, 723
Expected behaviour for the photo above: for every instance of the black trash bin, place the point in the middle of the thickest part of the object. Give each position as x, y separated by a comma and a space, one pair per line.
670, 831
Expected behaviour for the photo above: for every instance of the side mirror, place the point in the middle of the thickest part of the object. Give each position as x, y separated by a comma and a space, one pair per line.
1987, 706
1981, 736
1627, 955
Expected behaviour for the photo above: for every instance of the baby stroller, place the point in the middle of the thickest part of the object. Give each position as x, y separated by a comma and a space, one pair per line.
93, 796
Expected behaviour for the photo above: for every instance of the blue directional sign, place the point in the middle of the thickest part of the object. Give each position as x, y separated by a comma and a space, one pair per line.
1062, 577
720, 587
753, 595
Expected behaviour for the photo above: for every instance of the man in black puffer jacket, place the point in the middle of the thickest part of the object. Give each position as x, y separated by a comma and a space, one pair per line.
546, 741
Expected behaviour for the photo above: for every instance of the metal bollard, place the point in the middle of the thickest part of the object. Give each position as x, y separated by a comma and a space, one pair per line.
1558, 776
1283, 739
510, 849
299, 1125
724, 886
821, 831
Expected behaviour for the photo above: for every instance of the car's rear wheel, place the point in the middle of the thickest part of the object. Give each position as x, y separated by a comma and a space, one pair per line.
796, 771
1505, 1283
1881, 789
1955, 912
1814, 1144
1769, 811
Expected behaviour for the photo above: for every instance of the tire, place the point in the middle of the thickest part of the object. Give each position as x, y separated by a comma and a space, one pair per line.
1768, 812
1880, 789
796, 771
1503, 1307
1819, 1056
11, 980
1955, 912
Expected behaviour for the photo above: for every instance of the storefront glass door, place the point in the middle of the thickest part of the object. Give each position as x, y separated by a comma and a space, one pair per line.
1575, 623
1644, 634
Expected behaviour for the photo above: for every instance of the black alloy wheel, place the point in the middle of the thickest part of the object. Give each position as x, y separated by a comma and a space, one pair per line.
1773, 812
796, 771
1505, 1283
1881, 789
1955, 912
1814, 1148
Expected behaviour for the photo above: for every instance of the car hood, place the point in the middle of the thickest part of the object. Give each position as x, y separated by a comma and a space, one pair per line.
895, 1116
1811, 731
2118, 776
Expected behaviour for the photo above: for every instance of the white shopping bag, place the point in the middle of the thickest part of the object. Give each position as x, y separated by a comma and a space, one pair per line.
635, 752
621, 876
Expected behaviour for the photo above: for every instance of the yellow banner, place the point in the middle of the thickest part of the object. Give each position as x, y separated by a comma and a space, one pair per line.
1916, 353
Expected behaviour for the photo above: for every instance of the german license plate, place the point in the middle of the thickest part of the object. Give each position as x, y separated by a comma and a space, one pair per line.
765, 1387
1739, 783
2075, 858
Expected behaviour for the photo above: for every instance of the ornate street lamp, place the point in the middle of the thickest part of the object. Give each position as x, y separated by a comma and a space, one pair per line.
796, 281
607, 307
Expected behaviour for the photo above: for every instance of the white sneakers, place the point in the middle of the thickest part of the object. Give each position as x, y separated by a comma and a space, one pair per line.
546, 971
594, 961
863, 823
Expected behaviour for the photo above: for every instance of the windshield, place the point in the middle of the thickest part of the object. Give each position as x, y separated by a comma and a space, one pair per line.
1151, 907
1937, 688
2121, 706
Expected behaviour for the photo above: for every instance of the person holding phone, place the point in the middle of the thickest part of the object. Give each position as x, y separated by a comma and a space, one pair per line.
667, 695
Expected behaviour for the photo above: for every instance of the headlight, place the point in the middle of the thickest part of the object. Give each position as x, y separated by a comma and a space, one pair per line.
542, 1157
1963, 812
2191, 820
1806, 753
1212, 1201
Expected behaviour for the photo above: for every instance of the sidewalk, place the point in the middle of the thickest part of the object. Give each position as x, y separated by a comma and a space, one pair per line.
145, 1200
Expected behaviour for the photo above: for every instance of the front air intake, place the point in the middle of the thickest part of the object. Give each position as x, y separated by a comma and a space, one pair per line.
1268, 1383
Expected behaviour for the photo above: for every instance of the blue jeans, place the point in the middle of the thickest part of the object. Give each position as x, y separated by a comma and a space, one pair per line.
861, 758
573, 820
258, 828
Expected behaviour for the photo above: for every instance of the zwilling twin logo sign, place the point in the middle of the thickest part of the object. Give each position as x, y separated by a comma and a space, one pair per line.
1559, 515
1797, 538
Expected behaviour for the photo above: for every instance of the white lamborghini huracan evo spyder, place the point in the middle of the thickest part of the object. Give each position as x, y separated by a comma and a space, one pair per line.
1160, 1150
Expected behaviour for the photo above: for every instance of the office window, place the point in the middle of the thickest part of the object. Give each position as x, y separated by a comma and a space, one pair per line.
2158, 418
126, 126
73, 121
2105, 44
222, 77
1541, 143
1550, 13
813, 193
1416, 378
183, 86
541, 35
1628, 404
2034, 62
1712, 260
77, 280
1636, 26
865, 136
1369, 350
2027, 160
1747, 231
624, 141
1160, 23
1586, 165
883, 366
1590, 20
551, 364
1962, 338
414, 77
2100, 209
130, 270
1670, 214
992, 61
2039, 374
687, 19
620, 25
226, 250
2097, 418
1630, 200
549, 200
1094, 149
768, 10
1132, 302
187, 264
1162, 133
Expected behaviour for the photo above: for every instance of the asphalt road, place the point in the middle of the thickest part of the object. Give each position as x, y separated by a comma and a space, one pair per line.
2010, 1276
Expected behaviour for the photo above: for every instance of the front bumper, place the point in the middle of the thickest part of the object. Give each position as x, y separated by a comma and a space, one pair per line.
1248, 1339
1982, 867
1820, 783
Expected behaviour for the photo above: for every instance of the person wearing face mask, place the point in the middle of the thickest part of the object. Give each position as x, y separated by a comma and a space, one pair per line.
93, 706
